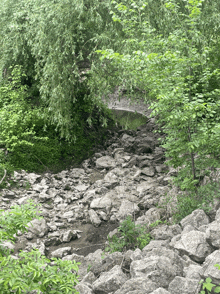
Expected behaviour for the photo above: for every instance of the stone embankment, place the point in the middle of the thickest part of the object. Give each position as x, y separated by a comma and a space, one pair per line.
127, 104
128, 178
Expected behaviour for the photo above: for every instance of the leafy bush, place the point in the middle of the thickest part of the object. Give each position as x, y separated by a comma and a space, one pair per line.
31, 271
162, 55
208, 286
16, 219
131, 236
29, 141
202, 198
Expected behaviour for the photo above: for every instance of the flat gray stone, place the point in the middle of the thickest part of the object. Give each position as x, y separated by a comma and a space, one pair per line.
105, 162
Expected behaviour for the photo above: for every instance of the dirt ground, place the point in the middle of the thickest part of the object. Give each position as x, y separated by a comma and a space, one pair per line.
92, 238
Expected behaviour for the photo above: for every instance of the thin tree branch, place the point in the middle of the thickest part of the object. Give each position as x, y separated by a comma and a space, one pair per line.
5, 172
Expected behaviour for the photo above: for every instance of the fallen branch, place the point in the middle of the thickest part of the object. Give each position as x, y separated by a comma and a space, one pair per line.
5, 172
42, 163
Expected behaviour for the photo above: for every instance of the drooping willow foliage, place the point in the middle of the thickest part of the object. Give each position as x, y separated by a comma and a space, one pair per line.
74, 52
54, 42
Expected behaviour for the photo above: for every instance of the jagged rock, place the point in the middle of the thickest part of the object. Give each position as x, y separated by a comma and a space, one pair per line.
110, 281
174, 258
163, 232
84, 288
8, 245
136, 255
105, 162
38, 245
43, 197
183, 286
208, 268
197, 219
137, 286
194, 245
61, 252
95, 220
69, 235
151, 216
148, 171
155, 244
160, 291
127, 208
192, 272
119, 181
8, 194
81, 188
156, 268
38, 227
213, 234
107, 263
160, 266
101, 202
89, 278
144, 186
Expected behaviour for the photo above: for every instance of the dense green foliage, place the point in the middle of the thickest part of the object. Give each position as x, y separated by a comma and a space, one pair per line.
47, 50
59, 57
31, 271
166, 51
188, 201
54, 41
131, 236
171, 51
208, 286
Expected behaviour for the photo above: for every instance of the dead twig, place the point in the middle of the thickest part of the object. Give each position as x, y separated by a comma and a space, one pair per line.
5, 172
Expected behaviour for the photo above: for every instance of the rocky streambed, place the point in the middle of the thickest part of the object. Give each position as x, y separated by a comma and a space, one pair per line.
81, 206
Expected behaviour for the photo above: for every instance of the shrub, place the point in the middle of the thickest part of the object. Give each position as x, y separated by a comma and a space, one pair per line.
202, 198
208, 286
31, 271
131, 236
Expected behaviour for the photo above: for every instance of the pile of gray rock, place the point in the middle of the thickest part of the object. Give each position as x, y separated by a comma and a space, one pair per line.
128, 178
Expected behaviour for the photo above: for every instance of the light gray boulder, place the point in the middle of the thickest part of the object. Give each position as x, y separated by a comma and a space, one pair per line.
209, 269
165, 232
213, 234
61, 252
184, 286
194, 245
152, 215
193, 271
101, 202
69, 235
127, 208
94, 218
105, 162
196, 219
217, 216
107, 263
140, 285
160, 291
174, 258
109, 281
155, 244
89, 278
38, 227
145, 186
84, 288
159, 269
148, 171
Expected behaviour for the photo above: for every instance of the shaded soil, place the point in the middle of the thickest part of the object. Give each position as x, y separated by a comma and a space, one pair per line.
92, 238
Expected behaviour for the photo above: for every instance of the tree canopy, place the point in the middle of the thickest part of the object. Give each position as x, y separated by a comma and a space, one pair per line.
172, 52
73, 52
